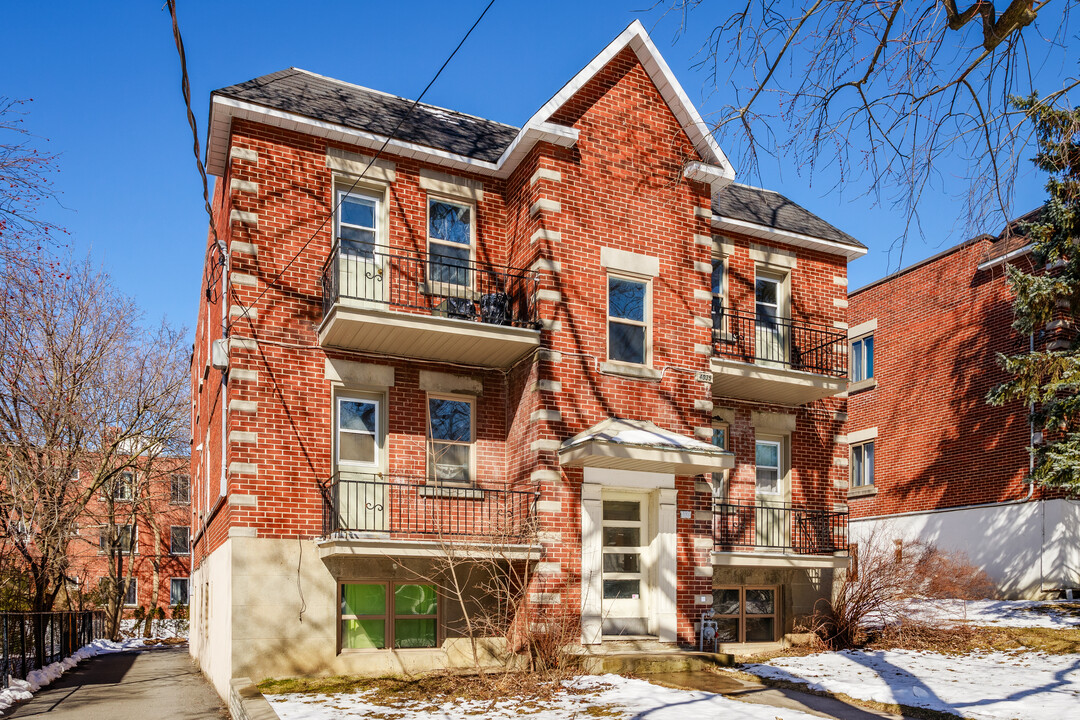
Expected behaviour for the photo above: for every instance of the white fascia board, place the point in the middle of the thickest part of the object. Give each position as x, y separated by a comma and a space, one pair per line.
790, 238
636, 38
1001, 259
714, 175
223, 110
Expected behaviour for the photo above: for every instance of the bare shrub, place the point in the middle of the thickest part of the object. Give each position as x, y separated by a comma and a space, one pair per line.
892, 573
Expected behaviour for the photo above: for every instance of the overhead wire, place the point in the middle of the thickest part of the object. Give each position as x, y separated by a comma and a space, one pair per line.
337, 203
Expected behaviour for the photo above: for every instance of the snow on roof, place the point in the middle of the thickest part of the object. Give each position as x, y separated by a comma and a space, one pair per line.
639, 433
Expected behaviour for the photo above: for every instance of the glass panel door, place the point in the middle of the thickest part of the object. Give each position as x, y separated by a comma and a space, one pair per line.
625, 544
770, 306
361, 260
770, 517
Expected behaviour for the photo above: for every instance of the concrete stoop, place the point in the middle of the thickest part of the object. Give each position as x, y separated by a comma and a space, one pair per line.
644, 657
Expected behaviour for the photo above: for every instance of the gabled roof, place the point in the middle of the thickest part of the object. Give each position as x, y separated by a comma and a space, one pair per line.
642, 445
315, 96
766, 213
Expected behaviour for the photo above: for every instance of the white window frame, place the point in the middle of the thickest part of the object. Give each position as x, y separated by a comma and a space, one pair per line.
722, 295
471, 401
862, 473
129, 496
134, 583
187, 581
779, 443
134, 538
358, 192
860, 354
172, 489
471, 270
647, 323
378, 434
172, 530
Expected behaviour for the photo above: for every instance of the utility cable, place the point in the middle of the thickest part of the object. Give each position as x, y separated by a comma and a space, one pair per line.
371, 162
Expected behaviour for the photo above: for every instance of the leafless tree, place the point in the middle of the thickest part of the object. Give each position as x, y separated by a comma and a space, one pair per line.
886, 93
83, 386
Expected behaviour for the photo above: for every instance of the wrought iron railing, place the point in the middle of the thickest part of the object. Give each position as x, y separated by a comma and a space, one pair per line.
796, 344
430, 283
32, 640
408, 506
763, 526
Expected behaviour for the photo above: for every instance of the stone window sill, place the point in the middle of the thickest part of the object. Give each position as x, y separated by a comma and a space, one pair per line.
864, 491
636, 372
861, 386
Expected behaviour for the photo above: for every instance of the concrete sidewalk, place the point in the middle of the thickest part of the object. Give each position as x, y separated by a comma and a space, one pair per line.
136, 685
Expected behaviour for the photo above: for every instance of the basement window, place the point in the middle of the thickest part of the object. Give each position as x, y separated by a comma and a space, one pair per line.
378, 616
745, 614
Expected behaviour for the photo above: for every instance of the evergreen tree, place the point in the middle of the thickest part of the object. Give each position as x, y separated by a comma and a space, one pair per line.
1049, 377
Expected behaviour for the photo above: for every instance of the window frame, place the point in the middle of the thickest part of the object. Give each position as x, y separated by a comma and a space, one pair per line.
133, 548
718, 309
358, 191
445, 286
860, 470
431, 471
389, 617
131, 582
861, 355
119, 485
743, 614
172, 534
781, 472
647, 313
172, 489
187, 583
378, 435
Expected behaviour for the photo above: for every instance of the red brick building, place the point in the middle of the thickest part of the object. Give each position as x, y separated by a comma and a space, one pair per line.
929, 457
581, 324
148, 516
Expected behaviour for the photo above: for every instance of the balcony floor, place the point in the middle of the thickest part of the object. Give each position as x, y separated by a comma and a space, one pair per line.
361, 544
369, 327
776, 559
766, 383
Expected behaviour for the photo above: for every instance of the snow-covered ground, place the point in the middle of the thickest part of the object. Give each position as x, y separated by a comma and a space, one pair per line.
607, 696
19, 690
160, 630
991, 685
999, 613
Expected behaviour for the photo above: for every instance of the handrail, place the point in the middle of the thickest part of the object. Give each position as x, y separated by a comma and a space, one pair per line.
430, 283
756, 526
409, 505
797, 344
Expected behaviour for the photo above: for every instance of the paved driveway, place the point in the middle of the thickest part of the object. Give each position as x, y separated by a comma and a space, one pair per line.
137, 685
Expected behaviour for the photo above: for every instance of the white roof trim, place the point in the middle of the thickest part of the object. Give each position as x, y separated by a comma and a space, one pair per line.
636, 38
223, 110
1002, 259
714, 175
790, 238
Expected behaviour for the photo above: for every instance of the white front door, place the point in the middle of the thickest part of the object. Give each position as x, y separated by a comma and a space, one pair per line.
770, 312
770, 516
362, 262
625, 534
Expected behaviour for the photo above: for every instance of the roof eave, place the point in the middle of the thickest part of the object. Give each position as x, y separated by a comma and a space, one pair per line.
598, 453
850, 252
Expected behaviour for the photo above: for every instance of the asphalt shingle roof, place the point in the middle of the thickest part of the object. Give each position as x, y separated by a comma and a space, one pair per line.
773, 210
320, 98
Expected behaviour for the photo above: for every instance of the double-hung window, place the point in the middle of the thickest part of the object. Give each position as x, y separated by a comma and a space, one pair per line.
125, 538
131, 591
178, 591
379, 615
628, 320
862, 464
767, 467
124, 487
452, 433
862, 358
450, 241
179, 540
180, 490
357, 432
717, 290
357, 224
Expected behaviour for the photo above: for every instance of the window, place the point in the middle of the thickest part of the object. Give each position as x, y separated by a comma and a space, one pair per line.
449, 242
124, 487
383, 615
862, 358
862, 464
125, 538
718, 271
357, 224
131, 591
357, 432
628, 320
178, 591
767, 462
451, 428
179, 540
745, 614
180, 490
720, 433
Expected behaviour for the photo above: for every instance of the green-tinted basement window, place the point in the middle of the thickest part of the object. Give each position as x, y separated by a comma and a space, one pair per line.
415, 608
363, 616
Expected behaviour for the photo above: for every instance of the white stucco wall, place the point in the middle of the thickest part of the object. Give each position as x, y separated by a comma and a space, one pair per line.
211, 625
1031, 549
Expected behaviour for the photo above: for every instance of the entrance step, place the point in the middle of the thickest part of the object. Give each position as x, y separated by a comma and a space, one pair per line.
649, 663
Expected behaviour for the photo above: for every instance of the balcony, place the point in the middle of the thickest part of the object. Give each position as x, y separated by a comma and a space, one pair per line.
409, 515
433, 307
778, 535
775, 359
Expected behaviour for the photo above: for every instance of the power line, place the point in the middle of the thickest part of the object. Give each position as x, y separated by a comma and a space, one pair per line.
371, 162
185, 88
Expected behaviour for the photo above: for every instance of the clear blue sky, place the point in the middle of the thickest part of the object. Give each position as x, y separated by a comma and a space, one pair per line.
105, 82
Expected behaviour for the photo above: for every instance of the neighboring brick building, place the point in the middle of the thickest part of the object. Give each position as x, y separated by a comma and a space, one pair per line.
581, 322
157, 508
929, 457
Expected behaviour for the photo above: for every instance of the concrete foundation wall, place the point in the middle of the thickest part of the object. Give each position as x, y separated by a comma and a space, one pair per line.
211, 626
1031, 550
